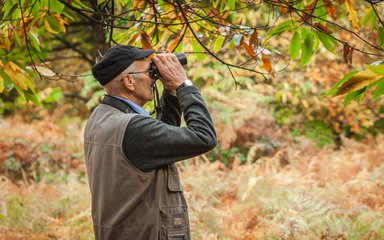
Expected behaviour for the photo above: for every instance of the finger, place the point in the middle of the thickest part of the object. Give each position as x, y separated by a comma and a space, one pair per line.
163, 58
174, 58
169, 57
157, 61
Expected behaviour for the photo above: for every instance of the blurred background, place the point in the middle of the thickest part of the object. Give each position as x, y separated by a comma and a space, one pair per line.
294, 88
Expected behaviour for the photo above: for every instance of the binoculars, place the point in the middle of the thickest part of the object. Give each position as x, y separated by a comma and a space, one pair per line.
155, 72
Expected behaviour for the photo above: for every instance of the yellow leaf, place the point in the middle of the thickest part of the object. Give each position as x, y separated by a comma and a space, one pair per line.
1, 85
138, 4
61, 21
48, 27
133, 39
352, 14
1, 64
18, 76
359, 81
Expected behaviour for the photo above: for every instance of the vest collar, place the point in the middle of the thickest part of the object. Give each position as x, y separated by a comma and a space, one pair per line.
116, 103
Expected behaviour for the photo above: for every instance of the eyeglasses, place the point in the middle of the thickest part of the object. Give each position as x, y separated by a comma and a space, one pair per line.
147, 71
150, 71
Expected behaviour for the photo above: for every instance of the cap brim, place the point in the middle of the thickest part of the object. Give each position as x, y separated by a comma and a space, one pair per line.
144, 53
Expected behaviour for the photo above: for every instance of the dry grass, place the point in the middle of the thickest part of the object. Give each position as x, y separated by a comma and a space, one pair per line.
324, 194
300, 193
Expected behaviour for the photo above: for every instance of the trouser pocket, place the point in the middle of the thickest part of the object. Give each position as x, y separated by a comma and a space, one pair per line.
174, 223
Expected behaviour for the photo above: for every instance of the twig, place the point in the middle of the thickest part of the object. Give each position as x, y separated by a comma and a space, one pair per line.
206, 49
233, 77
27, 41
377, 14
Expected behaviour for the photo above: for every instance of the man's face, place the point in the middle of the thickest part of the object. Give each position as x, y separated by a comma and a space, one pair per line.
143, 81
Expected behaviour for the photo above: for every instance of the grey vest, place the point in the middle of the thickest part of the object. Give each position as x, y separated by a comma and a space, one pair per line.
126, 202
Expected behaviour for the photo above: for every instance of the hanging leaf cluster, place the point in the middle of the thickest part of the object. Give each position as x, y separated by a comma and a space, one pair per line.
237, 34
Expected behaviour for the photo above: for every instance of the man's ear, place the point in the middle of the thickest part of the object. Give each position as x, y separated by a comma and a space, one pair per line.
128, 82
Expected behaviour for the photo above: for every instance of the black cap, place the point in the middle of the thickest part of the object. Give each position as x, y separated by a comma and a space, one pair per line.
116, 60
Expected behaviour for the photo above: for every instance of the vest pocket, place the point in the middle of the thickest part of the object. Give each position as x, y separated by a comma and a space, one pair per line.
174, 223
174, 184
177, 234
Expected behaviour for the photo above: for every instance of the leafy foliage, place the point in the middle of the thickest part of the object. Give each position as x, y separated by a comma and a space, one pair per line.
226, 31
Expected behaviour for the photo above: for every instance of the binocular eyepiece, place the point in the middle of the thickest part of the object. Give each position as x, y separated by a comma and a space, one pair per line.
155, 72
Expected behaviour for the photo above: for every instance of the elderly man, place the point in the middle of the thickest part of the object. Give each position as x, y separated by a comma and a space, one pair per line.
130, 157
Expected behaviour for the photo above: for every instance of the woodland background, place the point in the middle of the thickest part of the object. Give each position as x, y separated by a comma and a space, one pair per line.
294, 87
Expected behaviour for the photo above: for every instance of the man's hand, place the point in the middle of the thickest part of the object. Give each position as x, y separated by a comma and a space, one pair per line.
171, 72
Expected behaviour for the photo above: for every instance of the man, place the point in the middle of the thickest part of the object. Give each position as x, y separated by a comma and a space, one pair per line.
130, 157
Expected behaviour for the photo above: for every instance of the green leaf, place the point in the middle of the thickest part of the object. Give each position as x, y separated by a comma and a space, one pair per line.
369, 17
8, 84
197, 48
380, 32
379, 69
331, 91
56, 6
231, 45
379, 90
16, 14
294, 47
353, 95
316, 42
180, 47
34, 41
55, 95
36, 9
68, 16
29, 95
345, 78
359, 98
218, 43
327, 41
306, 50
9, 7
54, 24
232, 4
304, 33
281, 27
20, 91
320, 11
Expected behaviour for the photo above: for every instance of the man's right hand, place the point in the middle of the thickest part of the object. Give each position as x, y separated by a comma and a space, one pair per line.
172, 73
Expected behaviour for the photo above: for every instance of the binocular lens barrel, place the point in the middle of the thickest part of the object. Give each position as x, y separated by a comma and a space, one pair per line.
182, 58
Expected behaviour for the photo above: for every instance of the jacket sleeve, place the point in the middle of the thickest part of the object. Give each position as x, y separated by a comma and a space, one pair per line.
149, 143
171, 111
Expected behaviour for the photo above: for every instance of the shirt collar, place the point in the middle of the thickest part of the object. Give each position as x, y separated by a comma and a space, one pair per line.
134, 106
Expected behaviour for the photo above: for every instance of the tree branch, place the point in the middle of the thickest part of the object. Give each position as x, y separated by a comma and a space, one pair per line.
73, 47
26, 39
207, 50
